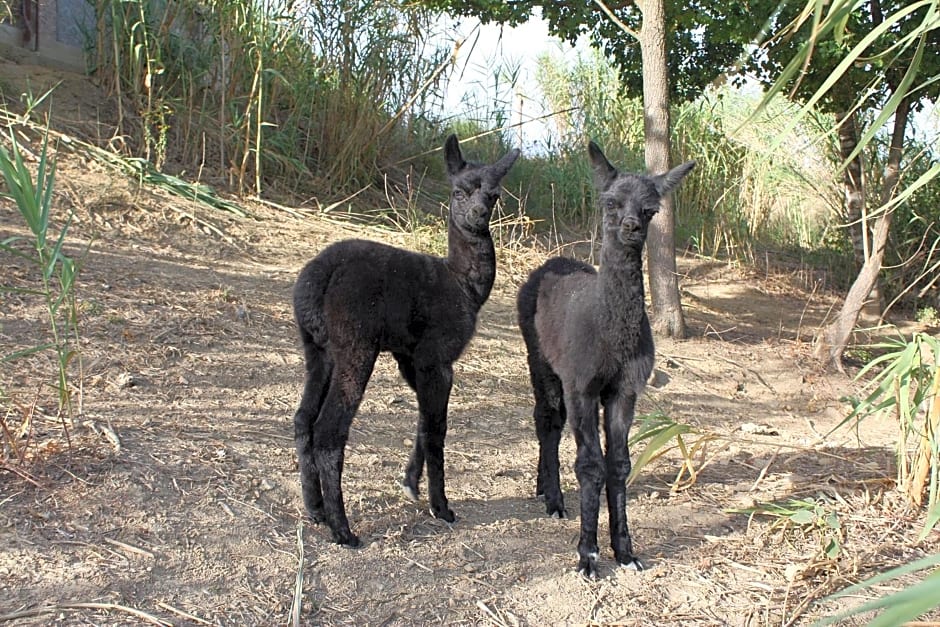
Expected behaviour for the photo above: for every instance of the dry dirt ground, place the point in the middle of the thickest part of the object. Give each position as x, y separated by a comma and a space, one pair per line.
190, 512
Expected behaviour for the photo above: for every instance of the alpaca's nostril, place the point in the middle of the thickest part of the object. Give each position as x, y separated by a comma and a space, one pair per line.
629, 224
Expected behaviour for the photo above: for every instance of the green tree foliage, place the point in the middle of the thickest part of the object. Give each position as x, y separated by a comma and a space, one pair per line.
857, 55
705, 39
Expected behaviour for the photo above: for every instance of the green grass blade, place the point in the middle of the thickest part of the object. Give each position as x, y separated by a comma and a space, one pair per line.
20, 184
26, 352
923, 563
56, 252
20, 290
18, 253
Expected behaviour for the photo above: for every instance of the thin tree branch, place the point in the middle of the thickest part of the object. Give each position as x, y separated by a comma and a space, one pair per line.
616, 20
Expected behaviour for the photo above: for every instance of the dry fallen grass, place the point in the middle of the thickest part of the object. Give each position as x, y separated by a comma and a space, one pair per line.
175, 498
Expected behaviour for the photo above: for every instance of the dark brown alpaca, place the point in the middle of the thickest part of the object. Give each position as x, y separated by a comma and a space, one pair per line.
358, 298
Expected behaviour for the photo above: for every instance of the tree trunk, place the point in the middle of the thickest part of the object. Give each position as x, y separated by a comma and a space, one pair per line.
854, 188
830, 345
667, 318
855, 214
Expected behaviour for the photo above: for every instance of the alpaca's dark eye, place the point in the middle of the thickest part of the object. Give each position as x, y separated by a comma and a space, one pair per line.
611, 205
459, 194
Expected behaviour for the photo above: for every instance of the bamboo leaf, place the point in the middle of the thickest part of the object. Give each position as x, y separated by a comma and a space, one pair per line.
908, 191
899, 93
903, 605
850, 58
933, 517
657, 437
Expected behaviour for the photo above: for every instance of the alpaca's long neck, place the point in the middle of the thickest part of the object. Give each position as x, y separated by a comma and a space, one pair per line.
620, 287
472, 259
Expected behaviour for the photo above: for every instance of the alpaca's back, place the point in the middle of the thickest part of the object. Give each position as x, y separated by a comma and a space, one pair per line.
556, 313
367, 292
528, 296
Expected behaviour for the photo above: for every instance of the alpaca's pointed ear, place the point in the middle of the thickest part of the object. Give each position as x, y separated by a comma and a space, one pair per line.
501, 167
604, 173
667, 182
452, 156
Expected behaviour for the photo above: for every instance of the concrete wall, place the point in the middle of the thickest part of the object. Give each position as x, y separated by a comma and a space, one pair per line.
65, 28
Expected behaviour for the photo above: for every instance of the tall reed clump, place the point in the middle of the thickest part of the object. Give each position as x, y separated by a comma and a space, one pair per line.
907, 387
744, 197
314, 93
54, 277
738, 197
578, 93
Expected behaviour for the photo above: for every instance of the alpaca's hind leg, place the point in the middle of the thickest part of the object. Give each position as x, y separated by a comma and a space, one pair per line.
589, 468
412, 478
549, 417
316, 385
433, 388
406, 366
618, 416
330, 432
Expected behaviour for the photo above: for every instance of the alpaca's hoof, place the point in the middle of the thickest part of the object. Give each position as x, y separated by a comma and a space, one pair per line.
444, 513
587, 566
631, 563
410, 491
347, 539
555, 510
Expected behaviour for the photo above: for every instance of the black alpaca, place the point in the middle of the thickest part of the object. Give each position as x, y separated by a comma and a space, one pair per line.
357, 298
589, 341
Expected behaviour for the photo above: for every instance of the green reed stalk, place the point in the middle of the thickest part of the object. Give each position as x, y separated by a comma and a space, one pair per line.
56, 272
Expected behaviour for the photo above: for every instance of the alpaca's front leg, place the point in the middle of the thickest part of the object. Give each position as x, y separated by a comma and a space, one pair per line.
589, 469
433, 389
618, 417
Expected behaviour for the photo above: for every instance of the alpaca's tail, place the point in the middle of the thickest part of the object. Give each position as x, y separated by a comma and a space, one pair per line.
309, 292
